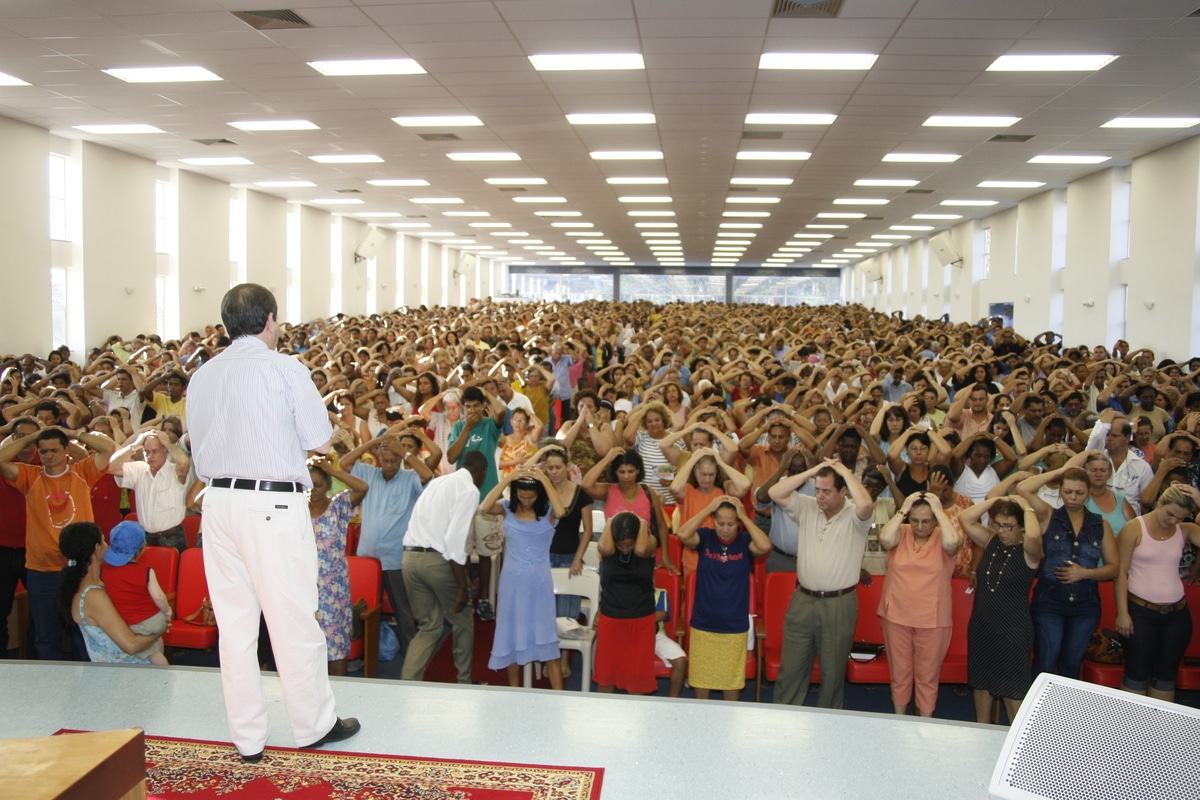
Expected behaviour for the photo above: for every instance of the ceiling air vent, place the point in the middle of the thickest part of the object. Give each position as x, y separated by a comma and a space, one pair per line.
348, 191
278, 19
511, 188
1011, 138
807, 8
440, 137
743, 188
871, 219
762, 134
1195, 13
211, 142
918, 191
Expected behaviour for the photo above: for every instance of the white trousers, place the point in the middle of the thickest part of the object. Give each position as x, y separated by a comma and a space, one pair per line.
260, 554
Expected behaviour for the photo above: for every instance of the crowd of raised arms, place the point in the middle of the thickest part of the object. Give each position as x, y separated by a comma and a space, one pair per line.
969, 434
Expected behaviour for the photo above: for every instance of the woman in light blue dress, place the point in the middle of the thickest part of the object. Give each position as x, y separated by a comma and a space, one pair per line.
109, 640
525, 610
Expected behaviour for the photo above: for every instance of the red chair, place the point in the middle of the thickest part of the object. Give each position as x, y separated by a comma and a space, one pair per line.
670, 584
869, 628
366, 583
191, 529
760, 579
1093, 671
690, 594
777, 595
131, 517
675, 550
190, 594
954, 666
353, 533
165, 563
1189, 674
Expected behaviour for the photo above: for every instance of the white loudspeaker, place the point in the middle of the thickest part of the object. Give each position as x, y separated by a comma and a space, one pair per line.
873, 273
1073, 740
466, 263
943, 249
370, 244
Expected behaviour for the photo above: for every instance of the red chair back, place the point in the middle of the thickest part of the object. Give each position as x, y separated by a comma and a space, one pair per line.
868, 628
192, 586
366, 580
191, 529
165, 563
954, 667
777, 595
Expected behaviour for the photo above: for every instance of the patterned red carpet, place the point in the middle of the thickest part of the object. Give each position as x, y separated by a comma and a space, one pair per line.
185, 769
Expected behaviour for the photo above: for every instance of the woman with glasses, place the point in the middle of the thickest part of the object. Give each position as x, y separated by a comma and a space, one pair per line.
1000, 635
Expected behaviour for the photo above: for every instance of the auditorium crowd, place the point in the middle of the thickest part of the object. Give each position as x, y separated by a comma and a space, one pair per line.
840, 444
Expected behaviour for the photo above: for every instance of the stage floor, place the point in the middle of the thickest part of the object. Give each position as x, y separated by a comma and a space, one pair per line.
649, 747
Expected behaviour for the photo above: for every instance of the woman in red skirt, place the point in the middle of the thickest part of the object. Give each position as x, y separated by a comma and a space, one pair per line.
625, 627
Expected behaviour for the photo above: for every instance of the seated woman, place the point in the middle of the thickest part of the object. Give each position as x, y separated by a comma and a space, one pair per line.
626, 625
916, 607
109, 640
1000, 635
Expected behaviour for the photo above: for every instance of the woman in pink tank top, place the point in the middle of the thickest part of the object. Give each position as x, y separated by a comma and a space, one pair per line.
1152, 610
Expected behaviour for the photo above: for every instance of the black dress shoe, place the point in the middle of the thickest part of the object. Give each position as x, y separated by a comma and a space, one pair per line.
253, 759
342, 729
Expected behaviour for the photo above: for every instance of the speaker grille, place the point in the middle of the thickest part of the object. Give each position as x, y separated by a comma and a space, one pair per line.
1077, 744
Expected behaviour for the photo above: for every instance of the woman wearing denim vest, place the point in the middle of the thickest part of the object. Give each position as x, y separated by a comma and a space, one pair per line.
1079, 550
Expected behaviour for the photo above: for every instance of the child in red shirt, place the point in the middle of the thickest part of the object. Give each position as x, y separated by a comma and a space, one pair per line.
133, 587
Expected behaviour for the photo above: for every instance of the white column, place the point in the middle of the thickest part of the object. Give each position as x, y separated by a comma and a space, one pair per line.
25, 232
1092, 257
204, 264
413, 249
266, 245
314, 263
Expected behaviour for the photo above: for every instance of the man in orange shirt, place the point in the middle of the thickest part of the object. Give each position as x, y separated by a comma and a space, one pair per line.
57, 493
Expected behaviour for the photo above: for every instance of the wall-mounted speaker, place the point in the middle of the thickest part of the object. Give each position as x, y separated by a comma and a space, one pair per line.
1074, 740
943, 249
370, 245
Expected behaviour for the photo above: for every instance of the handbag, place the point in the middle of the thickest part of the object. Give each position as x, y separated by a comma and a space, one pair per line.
203, 615
865, 652
1106, 647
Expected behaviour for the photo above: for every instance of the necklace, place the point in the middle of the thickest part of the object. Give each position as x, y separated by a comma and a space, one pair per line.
1008, 549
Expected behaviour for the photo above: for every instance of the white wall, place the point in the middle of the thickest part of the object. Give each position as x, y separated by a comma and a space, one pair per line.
413, 250
25, 234
314, 263
266, 245
204, 271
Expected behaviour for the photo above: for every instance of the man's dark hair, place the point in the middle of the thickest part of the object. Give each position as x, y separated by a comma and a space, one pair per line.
1123, 428
245, 309
1034, 400
57, 434
176, 375
47, 405
473, 393
829, 472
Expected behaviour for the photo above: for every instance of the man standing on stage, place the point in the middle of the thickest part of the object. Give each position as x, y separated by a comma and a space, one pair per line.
254, 415
821, 616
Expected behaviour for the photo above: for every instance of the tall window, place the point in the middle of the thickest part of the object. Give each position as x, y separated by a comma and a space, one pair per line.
160, 305
58, 199
58, 305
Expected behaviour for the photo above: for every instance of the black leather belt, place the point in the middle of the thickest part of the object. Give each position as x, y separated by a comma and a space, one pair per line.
782, 553
823, 595
259, 486
408, 549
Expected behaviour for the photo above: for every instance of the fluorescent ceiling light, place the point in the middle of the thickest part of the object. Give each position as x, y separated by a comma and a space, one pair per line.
840, 215
651, 213
252, 126
218, 161
399, 182
937, 216
558, 213
859, 250
449, 121
1011, 184
773, 155
651, 234
347, 158
812, 235
828, 227
859, 201
611, 119
746, 214
542, 247
1051, 159
376, 214
643, 199
572, 225
1151, 122
790, 119
11, 80
656, 225
859, 61
576, 233
285, 184
911, 228
339, 201
465, 214
377, 66
582, 61
497, 156
118, 129
515, 181
922, 158
896, 236
599, 248
949, 121
740, 199
491, 224
436, 201
969, 202
539, 199
410, 225
1050, 63
760, 181
636, 181
740, 226
626, 155
900, 182
189, 74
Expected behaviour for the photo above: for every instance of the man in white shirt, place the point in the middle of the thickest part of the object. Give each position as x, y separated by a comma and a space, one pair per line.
1130, 474
436, 549
159, 494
